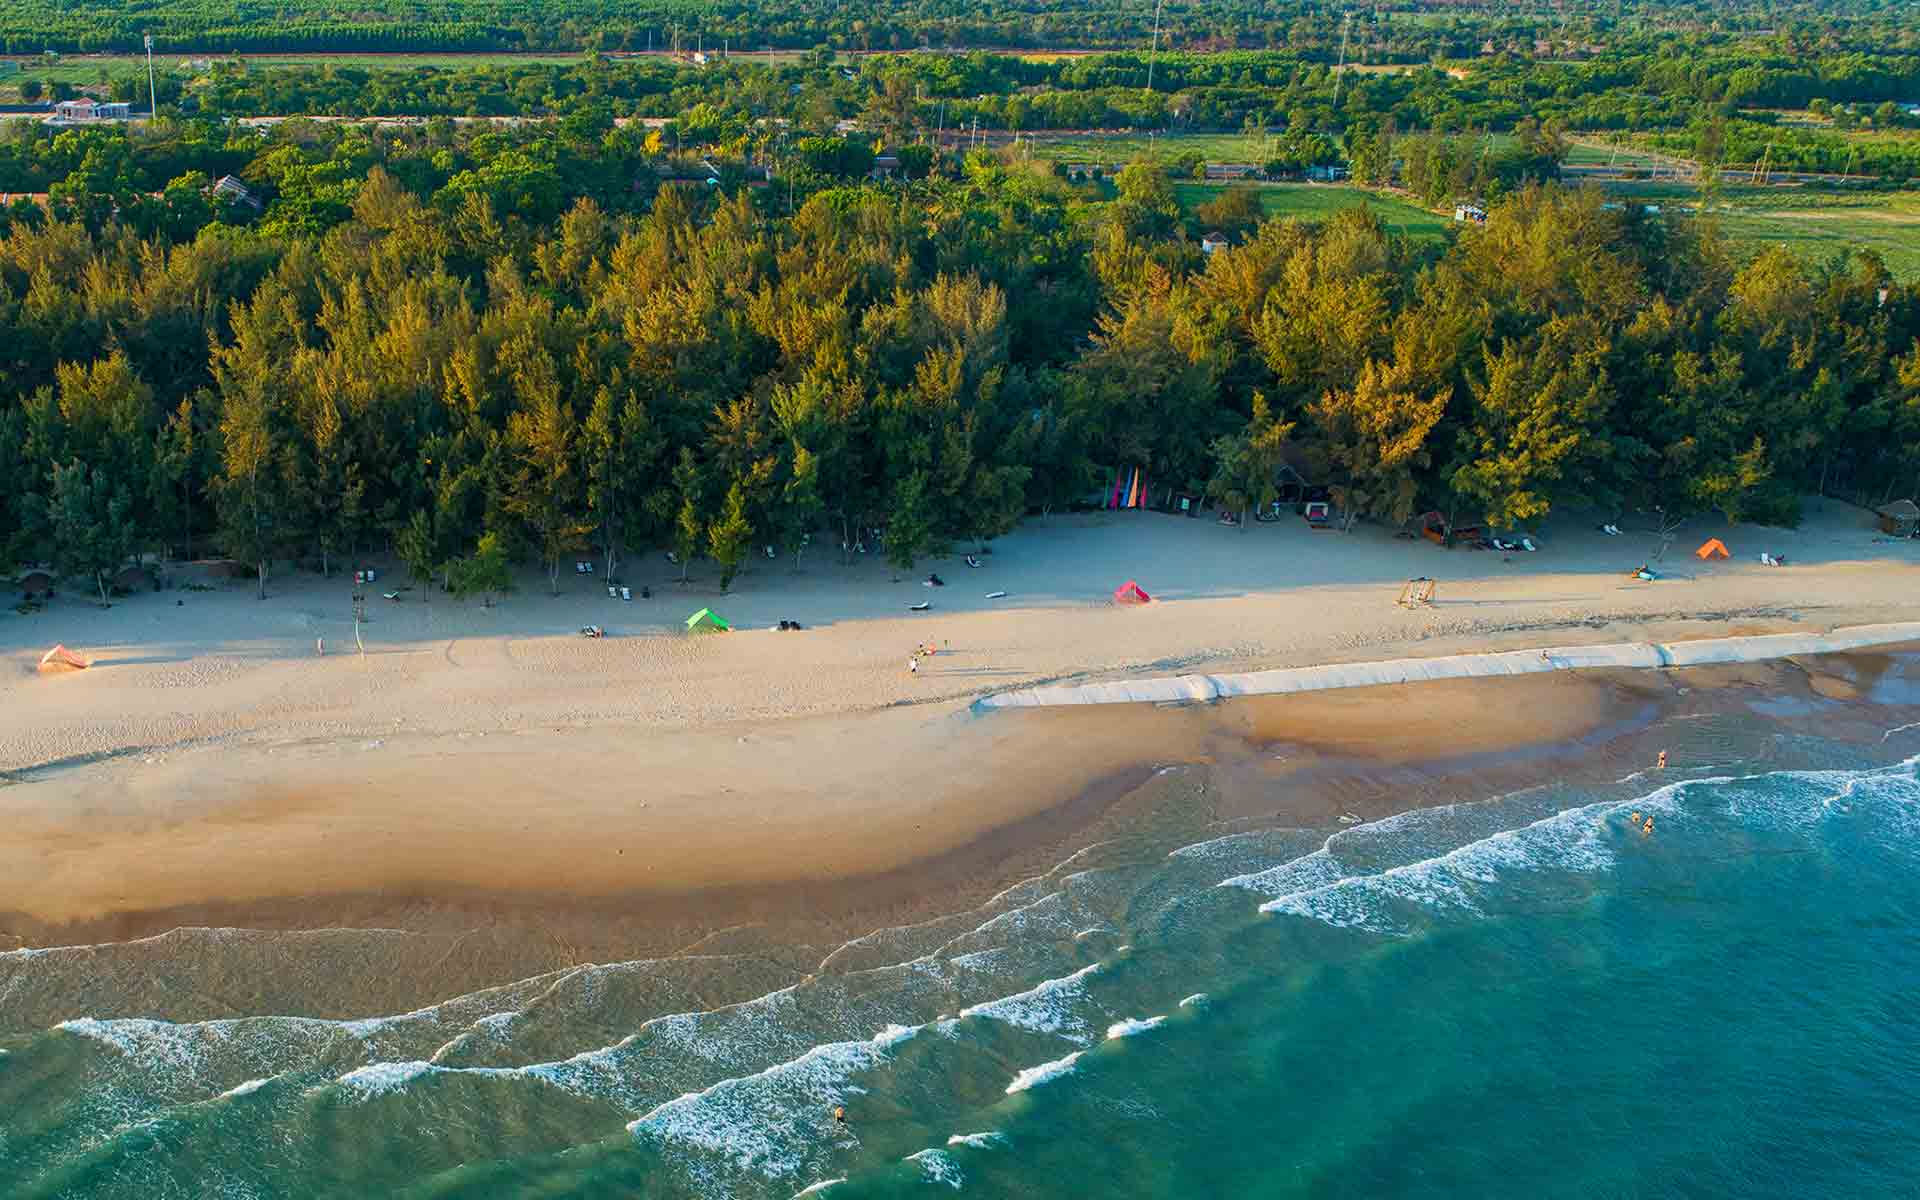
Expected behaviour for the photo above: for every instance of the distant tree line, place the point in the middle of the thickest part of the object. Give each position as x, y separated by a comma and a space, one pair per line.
1405, 32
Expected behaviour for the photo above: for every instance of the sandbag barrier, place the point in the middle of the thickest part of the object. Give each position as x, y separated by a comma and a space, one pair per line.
1193, 689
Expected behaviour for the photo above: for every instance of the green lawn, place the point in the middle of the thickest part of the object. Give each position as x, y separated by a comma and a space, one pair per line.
1317, 202
1160, 147
1595, 154
1807, 221
1890, 227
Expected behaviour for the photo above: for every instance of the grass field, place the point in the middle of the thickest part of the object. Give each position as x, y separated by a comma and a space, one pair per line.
1163, 147
1812, 223
1822, 224
1595, 154
1317, 202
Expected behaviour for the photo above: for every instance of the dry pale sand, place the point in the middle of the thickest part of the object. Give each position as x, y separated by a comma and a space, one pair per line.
211, 763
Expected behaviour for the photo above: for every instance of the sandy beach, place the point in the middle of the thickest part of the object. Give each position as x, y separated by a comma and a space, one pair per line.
212, 768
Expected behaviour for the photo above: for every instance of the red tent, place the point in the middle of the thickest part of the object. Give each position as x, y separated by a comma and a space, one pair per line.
1131, 593
60, 656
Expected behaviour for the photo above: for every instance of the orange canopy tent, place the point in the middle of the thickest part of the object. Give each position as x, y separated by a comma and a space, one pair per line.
60, 656
1712, 548
1131, 593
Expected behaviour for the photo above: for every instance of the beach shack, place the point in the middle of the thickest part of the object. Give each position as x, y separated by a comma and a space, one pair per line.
1900, 519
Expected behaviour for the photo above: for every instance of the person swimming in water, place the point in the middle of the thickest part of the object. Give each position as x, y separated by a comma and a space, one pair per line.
1648, 827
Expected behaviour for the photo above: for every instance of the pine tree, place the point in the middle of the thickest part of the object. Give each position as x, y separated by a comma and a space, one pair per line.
332, 495
544, 487
178, 452
418, 550
689, 532
1247, 464
909, 523
92, 523
731, 536
1373, 438
251, 489
485, 573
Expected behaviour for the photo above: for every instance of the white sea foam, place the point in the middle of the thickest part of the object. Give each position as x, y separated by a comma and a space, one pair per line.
1573, 840
814, 1189
251, 1085
1195, 999
1048, 1008
979, 1141
1033, 1077
750, 1123
939, 1167
1132, 1026
378, 1079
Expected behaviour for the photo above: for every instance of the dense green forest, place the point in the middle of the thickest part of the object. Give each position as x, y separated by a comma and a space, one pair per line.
463, 345
680, 306
1404, 31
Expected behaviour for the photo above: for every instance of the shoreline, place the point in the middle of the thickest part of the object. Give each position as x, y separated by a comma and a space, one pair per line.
1622, 656
928, 801
1301, 761
484, 775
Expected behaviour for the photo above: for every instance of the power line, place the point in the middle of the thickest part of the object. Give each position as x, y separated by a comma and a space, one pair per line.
1153, 49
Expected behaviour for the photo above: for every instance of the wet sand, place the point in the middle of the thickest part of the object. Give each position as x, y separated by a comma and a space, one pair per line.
421, 868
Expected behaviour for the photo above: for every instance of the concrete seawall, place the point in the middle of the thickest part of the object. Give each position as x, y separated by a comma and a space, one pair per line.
1188, 689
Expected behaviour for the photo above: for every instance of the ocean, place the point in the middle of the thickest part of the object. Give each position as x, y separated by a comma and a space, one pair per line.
1524, 994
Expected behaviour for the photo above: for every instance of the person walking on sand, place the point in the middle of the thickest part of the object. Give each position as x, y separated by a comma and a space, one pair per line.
913, 665
1660, 764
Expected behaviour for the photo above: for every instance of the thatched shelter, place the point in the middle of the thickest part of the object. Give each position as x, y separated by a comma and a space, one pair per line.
1901, 518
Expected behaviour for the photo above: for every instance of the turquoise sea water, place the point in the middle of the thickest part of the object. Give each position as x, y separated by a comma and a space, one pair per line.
1523, 996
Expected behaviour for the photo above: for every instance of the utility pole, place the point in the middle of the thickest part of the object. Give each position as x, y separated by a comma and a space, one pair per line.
1340, 72
153, 99
1154, 47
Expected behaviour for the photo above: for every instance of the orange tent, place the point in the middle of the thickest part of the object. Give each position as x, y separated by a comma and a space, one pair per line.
1131, 593
1712, 548
60, 656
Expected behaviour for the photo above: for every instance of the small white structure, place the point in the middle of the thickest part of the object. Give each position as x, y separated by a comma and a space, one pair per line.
227, 185
1213, 243
1470, 213
86, 108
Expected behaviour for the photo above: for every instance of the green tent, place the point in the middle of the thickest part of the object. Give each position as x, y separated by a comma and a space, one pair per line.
707, 619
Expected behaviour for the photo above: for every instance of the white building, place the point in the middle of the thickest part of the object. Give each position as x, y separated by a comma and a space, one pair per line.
86, 108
